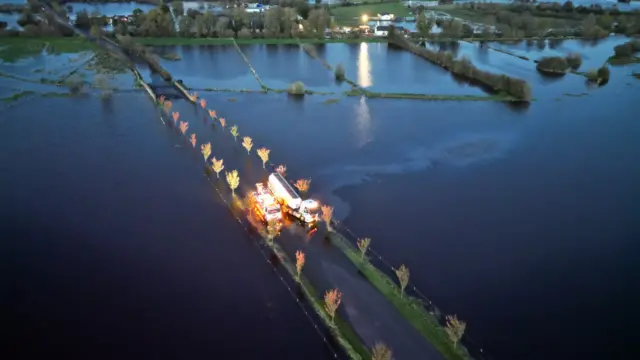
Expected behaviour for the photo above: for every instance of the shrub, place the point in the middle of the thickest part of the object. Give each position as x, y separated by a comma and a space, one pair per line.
244, 34
339, 72
553, 64
603, 73
574, 60
297, 88
623, 50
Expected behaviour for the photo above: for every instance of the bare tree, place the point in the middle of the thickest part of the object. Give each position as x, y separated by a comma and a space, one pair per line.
263, 153
247, 143
217, 165
363, 245
192, 139
282, 169
303, 185
300, 260
234, 132
403, 276
233, 179
327, 214
205, 149
455, 329
380, 351
183, 127
332, 299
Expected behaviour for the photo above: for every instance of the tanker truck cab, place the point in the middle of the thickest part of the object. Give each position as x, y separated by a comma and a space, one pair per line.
305, 211
310, 210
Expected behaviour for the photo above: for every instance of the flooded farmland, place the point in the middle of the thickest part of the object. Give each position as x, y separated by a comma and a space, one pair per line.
521, 221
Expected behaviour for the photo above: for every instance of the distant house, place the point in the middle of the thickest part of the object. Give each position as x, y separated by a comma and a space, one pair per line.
381, 30
386, 17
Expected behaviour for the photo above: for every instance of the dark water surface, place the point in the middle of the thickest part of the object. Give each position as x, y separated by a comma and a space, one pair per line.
114, 245
521, 221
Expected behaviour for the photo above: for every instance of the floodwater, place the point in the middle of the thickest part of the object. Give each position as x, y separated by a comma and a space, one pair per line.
519, 220
11, 20
109, 9
115, 245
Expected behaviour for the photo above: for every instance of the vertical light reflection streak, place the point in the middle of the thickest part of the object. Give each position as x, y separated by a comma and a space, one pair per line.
364, 66
363, 123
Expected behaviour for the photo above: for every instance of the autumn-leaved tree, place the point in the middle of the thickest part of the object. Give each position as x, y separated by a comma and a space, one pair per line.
205, 149
380, 351
233, 179
184, 126
300, 259
192, 138
212, 114
203, 103
455, 329
327, 214
234, 132
247, 143
403, 277
282, 169
363, 245
161, 99
223, 122
167, 105
263, 152
332, 300
303, 185
194, 96
217, 166
176, 116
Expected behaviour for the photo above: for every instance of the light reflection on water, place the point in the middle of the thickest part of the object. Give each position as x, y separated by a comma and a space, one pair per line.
364, 66
363, 123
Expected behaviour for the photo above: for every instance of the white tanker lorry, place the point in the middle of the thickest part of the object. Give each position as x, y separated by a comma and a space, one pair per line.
304, 210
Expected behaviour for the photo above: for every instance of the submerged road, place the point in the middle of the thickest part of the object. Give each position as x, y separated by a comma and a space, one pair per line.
363, 306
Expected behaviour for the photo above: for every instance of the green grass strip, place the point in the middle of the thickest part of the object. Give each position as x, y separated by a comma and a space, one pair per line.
340, 329
411, 308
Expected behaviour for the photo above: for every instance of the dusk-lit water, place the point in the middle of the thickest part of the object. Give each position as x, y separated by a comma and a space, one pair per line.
114, 245
520, 220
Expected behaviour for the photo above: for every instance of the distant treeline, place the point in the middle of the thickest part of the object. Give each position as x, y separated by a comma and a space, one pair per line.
518, 19
463, 67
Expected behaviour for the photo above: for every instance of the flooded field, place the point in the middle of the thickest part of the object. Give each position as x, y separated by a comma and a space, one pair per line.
11, 20
118, 247
520, 220
203, 67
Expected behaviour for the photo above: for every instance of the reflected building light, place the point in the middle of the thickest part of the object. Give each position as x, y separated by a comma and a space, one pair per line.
363, 130
364, 66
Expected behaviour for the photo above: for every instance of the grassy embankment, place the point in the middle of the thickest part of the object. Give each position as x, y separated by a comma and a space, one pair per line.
174, 41
501, 85
352, 15
411, 308
340, 329
348, 339
13, 49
